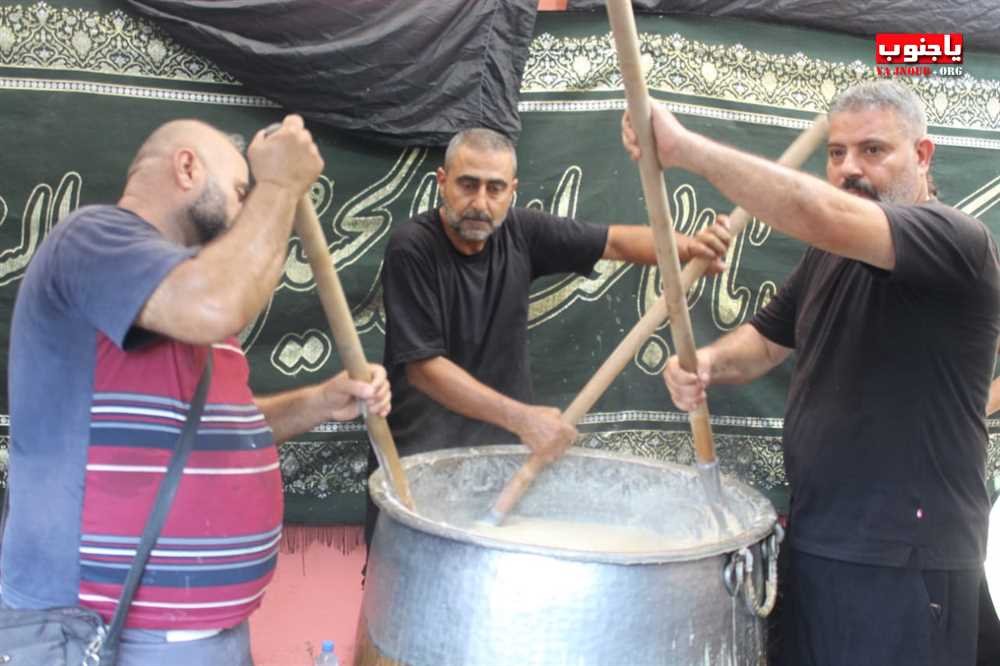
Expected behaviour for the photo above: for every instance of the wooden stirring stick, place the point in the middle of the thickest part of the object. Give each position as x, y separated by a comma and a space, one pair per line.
345, 336
338, 316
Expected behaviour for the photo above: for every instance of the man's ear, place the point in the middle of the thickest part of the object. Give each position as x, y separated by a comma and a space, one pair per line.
186, 168
442, 176
925, 153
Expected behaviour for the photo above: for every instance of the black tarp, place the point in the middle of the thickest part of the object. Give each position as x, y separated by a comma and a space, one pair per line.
977, 20
397, 71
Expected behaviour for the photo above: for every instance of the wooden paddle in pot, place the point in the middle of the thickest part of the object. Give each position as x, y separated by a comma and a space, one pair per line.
338, 316
627, 45
345, 336
654, 189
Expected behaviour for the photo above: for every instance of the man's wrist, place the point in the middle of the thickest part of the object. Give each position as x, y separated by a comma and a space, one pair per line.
274, 191
683, 244
709, 355
512, 415
691, 150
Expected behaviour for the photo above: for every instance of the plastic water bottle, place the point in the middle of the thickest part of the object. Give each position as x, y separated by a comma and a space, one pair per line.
327, 657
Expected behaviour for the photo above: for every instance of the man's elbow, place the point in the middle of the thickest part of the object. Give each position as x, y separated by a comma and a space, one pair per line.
208, 321
416, 374
420, 373
224, 320
611, 251
618, 245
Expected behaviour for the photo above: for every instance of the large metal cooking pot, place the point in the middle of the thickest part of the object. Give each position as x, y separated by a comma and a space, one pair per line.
439, 594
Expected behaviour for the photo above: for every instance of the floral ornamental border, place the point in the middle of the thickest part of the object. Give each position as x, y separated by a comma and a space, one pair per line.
735, 73
39, 36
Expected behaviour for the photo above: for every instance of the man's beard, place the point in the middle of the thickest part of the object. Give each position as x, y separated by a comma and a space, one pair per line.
208, 212
897, 192
475, 232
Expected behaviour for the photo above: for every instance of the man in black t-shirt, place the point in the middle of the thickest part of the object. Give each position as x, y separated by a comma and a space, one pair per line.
894, 314
455, 286
989, 596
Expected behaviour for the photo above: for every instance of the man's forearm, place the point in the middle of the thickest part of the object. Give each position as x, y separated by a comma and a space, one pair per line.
451, 386
247, 260
743, 355
795, 203
290, 413
219, 291
631, 243
635, 244
993, 403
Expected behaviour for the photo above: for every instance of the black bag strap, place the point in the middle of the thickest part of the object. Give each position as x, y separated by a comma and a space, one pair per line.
158, 516
6, 507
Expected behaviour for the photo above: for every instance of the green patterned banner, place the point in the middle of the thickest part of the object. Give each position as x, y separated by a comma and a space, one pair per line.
82, 83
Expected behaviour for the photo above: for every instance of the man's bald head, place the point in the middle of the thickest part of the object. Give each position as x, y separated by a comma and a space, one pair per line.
191, 174
199, 136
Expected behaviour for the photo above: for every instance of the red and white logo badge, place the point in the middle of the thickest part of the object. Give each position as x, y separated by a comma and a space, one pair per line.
914, 54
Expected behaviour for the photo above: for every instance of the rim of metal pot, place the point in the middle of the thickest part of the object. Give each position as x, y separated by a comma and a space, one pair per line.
762, 526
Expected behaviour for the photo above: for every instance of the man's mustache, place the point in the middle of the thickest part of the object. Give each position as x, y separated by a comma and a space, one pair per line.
477, 216
858, 184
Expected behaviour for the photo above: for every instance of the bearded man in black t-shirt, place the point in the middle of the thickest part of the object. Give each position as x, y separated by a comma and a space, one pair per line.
894, 314
455, 287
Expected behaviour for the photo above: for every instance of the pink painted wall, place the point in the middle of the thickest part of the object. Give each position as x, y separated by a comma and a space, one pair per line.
315, 596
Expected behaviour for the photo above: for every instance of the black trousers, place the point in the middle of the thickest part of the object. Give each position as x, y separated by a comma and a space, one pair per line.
371, 515
371, 509
988, 653
836, 613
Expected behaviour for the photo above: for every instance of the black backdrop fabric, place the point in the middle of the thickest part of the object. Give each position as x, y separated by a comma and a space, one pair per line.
977, 20
402, 72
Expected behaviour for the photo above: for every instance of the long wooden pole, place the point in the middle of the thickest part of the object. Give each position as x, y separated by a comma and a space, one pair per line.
338, 316
654, 189
627, 44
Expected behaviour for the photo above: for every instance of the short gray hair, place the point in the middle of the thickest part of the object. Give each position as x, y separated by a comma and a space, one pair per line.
480, 138
238, 141
882, 95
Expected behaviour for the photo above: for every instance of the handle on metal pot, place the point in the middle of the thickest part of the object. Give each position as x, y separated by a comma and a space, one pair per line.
738, 574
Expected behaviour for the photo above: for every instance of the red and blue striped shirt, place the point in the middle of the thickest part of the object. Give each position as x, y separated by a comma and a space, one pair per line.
218, 548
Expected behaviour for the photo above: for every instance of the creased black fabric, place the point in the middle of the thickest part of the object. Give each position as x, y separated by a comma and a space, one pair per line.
397, 71
977, 20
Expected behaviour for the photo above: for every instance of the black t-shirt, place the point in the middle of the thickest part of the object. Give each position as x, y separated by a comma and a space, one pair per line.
885, 435
473, 310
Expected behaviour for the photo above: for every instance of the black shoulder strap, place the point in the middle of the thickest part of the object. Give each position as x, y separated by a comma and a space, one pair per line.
164, 498
6, 507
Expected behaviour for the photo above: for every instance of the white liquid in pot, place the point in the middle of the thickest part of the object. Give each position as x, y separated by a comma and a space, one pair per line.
596, 537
